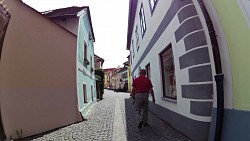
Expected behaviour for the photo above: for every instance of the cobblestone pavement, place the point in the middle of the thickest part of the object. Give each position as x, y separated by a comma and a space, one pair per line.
113, 119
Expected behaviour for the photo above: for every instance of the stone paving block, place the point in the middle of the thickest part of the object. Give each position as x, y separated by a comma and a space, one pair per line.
100, 123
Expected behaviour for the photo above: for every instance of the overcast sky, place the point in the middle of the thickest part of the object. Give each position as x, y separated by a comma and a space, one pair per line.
109, 20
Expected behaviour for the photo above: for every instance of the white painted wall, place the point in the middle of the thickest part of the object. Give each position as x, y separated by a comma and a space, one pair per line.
182, 105
224, 54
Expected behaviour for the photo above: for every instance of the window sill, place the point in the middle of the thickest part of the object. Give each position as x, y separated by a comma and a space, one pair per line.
169, 99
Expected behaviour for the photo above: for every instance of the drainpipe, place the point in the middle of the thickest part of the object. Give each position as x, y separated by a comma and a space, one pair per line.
219, 75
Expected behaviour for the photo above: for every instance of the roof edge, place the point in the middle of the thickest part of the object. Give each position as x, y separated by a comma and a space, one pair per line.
90, 20
131, 20
45, 17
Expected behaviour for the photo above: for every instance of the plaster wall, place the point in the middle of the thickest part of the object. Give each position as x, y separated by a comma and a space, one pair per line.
38, 74
71, 24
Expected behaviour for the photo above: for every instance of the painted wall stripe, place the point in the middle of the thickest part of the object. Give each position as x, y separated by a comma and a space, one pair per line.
195, 57
174, 119
187, 27
200, 74
187, 12
201, 108
195, 40
201, 91
174, 8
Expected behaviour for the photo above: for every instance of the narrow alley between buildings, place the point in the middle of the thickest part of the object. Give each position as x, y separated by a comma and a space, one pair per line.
113, 119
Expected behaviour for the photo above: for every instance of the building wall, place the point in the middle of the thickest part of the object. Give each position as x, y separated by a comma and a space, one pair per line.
124, 77
38, 81
108, 78
237, 37
181, 24
106, 81
4, 17
118, 77
84, 74
112, 83
71, 24
234, 42
129, 79
98, 65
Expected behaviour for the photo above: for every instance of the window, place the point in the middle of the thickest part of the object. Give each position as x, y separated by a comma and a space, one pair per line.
152, 4
91, 64
85, 94
90, 36
168, 73
85, 54
148, 71
133, 48
137, 38
92, 93
85, 50
142, 20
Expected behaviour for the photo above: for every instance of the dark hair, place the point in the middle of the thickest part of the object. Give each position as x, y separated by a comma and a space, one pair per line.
142, 72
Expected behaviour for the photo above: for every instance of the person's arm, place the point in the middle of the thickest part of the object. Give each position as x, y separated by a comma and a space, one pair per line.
133, 90
133, 93
153, 95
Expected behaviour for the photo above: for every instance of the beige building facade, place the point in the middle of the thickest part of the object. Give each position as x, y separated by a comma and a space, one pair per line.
37, 74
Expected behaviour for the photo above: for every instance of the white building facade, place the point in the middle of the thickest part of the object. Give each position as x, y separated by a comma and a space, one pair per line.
169, 38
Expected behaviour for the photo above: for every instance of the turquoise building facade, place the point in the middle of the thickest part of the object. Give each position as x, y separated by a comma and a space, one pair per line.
86, 85
77, 21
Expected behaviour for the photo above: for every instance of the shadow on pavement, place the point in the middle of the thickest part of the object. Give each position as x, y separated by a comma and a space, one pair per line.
157, 130
133, 133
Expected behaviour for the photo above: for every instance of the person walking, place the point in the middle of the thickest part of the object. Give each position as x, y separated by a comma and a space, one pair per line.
142, 86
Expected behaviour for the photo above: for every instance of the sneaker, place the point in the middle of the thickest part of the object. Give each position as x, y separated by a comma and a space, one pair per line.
145, 124
140, 125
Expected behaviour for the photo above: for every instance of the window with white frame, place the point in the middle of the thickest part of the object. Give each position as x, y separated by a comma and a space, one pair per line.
142, 21
152, 4
168, 73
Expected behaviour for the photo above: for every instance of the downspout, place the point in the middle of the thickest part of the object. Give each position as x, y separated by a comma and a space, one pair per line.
219, 75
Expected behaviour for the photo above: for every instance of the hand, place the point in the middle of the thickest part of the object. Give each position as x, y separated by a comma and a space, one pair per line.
132, 95
153, 100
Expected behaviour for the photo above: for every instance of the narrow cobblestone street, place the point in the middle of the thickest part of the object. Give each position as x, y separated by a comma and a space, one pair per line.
113, 118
